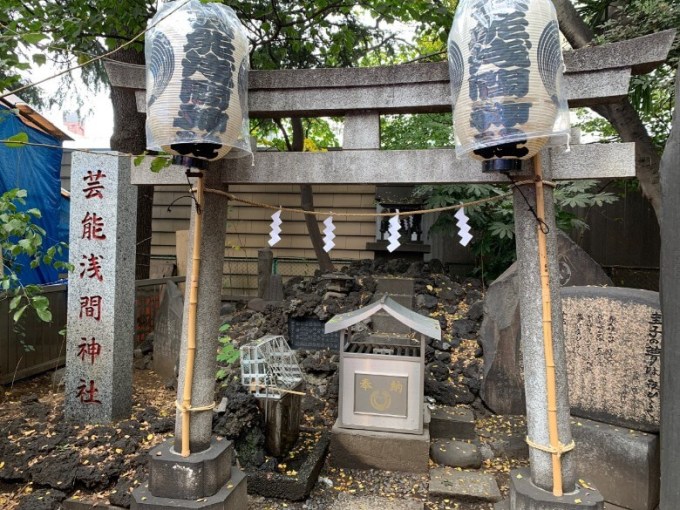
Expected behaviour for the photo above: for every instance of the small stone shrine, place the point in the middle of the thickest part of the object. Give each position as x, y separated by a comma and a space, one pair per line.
380, 409
381, 377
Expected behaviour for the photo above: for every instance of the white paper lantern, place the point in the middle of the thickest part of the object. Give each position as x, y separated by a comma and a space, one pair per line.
505, 62
197, 82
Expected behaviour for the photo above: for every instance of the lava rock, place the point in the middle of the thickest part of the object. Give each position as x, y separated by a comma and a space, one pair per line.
242, 412
57, 470
464, 328
443, 356
439, 371
454, 293
447, 393
476, 310
473, 296
426, 301
457, 454
250, 448
121, 495
43, 499
319, 362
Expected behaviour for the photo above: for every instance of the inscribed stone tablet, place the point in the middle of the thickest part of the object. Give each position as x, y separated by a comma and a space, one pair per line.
613, 343
101, 289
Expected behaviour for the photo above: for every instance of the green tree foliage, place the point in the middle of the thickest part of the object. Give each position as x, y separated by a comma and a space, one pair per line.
651, 94
493, 228
21, 238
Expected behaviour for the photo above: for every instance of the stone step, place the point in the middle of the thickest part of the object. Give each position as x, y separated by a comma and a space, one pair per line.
349, 502
395, 286
452, 423
456, 454
403, 299
463, 486
384, 323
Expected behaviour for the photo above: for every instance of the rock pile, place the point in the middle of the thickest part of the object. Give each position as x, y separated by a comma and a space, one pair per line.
454, 365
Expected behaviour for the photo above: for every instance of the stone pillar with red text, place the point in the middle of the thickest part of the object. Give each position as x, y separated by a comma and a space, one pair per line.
101, 289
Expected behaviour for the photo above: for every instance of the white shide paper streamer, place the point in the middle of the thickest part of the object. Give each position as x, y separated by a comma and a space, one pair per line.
328, 234
463, 227
395, 226
276, 228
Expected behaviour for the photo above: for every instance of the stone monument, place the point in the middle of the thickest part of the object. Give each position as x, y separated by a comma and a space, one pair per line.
503, 384
101, 290
670, 303
613, 341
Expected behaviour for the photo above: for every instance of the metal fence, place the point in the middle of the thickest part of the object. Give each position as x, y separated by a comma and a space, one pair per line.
32, 346
148, 295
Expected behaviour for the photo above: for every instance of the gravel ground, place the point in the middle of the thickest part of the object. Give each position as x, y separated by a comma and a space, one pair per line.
43, 458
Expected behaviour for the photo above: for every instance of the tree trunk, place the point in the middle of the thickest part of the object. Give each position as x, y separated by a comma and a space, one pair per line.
622, 115
307, 202
572, 25
129, 136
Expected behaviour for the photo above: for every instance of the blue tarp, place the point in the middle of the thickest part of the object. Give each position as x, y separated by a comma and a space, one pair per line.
35, 169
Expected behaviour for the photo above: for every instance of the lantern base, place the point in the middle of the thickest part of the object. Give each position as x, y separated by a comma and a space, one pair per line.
524, 495
189, 162
204, 151
502, 165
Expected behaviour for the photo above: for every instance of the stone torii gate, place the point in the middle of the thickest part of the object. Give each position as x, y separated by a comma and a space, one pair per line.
594, 76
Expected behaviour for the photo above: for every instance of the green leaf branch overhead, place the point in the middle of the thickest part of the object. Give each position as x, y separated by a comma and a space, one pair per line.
492, 223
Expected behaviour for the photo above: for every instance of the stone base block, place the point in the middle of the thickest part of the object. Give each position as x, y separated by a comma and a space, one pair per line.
622, 463
292, 487
452, 422
524, 495
232, 496
75, 504
389, 451
197, 476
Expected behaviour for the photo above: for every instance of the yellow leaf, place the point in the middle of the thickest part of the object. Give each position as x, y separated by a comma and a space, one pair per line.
519, 477
429, 287
2, 465
149, 437
119, 450
577, 500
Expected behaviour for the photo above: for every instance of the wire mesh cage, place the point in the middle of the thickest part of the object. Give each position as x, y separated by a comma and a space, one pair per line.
269, 367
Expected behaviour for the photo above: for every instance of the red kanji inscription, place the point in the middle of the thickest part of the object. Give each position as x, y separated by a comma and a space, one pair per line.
91, 306
93, 187
93, 227
87, 393
92, 349
92, 266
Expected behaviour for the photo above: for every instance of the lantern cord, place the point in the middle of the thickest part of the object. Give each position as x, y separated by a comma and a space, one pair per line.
178, 199
516, 184
95, 59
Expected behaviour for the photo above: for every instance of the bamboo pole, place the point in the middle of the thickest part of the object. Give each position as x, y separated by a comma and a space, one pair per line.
547, 331
191, 333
